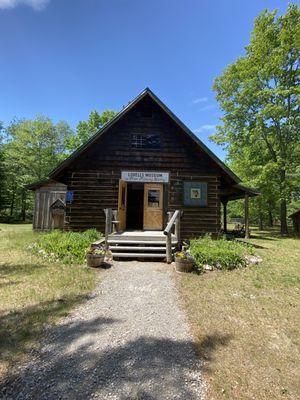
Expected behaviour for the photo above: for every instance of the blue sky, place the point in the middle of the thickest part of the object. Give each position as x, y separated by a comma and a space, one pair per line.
64, 58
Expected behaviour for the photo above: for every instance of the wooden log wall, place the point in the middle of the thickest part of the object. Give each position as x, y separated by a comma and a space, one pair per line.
94, 176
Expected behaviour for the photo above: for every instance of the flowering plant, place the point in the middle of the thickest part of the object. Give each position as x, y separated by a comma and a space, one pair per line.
96, 250
185, 255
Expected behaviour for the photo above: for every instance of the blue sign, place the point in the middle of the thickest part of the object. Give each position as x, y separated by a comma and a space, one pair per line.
69, 196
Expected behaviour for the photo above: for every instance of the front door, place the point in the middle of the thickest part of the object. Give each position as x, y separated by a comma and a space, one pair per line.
153, 206
122, 204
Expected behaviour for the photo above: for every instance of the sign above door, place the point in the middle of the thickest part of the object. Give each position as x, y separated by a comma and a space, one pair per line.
145, 176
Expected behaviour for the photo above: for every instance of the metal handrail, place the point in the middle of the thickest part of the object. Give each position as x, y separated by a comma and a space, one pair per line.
174, 220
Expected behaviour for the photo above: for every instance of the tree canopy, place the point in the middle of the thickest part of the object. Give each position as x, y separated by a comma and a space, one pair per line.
85, 129
259, 95
30, 149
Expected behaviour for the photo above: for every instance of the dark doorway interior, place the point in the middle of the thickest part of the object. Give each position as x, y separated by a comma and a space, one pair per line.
135, 205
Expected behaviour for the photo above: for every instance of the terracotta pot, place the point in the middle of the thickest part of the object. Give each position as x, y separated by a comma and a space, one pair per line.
94, 260
183, 265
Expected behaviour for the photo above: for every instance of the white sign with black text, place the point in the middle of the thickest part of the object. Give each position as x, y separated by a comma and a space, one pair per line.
145, 176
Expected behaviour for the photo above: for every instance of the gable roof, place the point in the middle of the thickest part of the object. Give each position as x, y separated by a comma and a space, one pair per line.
58, 202
122, 113
43, 182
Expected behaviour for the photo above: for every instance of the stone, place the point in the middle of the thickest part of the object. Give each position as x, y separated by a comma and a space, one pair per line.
253, 260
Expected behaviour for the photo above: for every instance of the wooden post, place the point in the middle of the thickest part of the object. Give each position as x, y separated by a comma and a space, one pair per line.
247, 231
177, 229
115, 218
169, 247
108, 220
225, 216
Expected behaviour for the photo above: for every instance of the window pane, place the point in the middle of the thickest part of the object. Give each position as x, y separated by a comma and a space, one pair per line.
145, 141
153, 198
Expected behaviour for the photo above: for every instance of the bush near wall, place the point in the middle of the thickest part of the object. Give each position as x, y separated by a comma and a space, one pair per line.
221, 254
66, 247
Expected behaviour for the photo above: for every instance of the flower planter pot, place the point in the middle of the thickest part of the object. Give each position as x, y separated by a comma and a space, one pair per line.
94, 260
183, 265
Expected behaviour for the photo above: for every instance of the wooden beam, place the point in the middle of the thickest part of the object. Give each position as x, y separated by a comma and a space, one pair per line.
247, 231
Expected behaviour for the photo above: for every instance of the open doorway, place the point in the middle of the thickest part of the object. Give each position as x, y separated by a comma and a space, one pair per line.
135, 206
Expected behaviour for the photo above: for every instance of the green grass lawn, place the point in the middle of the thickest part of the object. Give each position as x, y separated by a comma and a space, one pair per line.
247, 323
32, 293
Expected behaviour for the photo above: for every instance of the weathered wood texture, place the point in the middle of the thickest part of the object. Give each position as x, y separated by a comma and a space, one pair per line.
94, 176
44, 197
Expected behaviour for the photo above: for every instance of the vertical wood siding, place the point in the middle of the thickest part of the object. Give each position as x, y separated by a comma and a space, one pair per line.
44, 197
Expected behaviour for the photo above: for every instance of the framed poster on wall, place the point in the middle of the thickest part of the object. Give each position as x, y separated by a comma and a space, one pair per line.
195, 193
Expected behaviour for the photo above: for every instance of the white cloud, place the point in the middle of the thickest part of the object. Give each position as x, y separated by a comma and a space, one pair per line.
200, 100
35, 4
208, 107
205, 127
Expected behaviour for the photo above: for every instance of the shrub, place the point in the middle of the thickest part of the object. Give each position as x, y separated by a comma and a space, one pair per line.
221, 254
66, 247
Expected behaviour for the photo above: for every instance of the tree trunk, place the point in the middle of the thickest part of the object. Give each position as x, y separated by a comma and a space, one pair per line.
270, 216
261, 222
23, 209
12, 204
283, 207
283, 221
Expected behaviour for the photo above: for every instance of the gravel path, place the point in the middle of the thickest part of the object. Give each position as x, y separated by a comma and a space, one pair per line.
130, 340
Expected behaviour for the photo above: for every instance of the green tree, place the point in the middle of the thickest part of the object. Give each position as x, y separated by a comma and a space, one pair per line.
31, 149
2, 169
260, 97
86, 129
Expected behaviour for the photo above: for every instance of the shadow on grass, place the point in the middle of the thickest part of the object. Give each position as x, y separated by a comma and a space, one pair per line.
6, 284
74, 365
208, 344
18, 270
18, 327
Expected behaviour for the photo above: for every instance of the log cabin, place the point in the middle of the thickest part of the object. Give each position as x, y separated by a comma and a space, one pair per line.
140, 168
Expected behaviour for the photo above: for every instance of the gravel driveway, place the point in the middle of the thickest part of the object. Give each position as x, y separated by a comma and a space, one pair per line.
129, 340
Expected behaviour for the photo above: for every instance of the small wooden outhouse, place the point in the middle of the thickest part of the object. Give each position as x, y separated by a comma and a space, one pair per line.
49, 204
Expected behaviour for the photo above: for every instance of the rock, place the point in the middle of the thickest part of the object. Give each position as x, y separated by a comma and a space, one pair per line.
208, 267
253, 260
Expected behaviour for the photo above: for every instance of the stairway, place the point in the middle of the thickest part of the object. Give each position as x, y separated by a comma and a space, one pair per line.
139, 244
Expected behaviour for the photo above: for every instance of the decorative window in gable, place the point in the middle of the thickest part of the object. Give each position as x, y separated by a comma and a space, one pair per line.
145, 141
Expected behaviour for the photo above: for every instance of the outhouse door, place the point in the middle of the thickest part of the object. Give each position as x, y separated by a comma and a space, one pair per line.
153, 206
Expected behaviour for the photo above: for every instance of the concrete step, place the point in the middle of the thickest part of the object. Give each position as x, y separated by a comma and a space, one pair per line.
138, 248
151, 238
140, 255
135, 241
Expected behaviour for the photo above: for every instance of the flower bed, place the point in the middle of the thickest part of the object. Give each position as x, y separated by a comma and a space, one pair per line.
65, 247
218, 254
